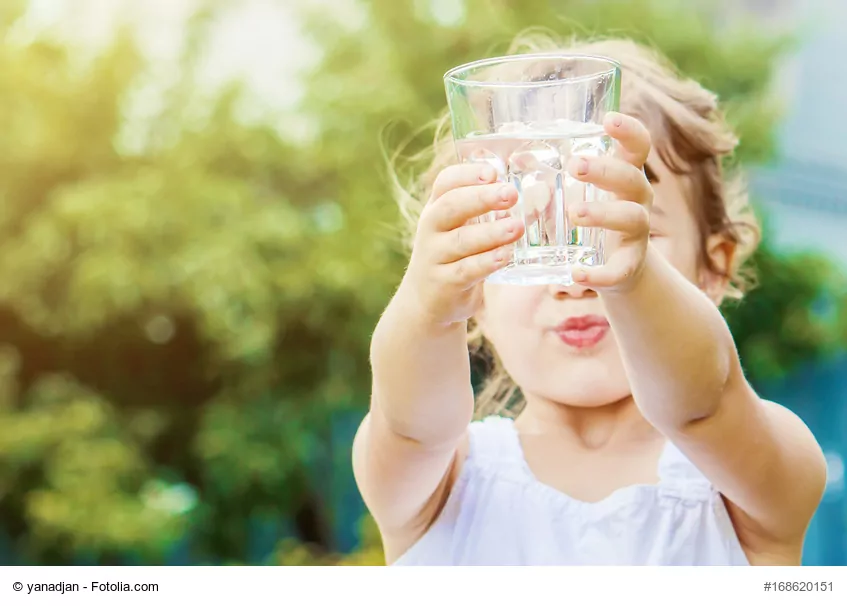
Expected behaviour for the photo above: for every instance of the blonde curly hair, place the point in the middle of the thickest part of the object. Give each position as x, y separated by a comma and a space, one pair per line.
691, 137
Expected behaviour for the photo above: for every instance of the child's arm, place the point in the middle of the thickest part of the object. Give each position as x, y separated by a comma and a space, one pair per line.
412, 442
684, 370
421, 405
687, 379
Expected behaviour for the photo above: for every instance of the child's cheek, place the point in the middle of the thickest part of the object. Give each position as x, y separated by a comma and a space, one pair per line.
512, 304
680, 254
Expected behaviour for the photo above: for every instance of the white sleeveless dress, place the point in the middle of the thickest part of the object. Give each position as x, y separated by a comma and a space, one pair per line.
498, 513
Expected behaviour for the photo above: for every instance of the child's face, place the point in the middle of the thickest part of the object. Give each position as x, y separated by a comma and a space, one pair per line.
554, 341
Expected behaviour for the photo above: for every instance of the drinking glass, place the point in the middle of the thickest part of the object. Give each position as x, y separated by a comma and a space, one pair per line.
526, 116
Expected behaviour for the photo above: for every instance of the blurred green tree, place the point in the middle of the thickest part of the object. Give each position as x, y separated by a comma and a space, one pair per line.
157, 263
187, 299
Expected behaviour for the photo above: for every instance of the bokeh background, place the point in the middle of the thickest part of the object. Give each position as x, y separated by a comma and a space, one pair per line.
197, 236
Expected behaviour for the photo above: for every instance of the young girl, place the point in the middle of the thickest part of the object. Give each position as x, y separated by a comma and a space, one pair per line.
638, 438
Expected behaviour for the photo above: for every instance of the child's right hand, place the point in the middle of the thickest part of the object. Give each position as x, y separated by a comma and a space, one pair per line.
452, 254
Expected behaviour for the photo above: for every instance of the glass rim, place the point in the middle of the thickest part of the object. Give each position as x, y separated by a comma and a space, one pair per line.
451, 74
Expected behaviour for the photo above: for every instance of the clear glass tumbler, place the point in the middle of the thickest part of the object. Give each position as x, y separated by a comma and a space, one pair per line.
527, 115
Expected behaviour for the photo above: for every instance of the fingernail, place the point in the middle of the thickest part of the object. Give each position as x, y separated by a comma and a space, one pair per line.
487, 174
582, 212
582, 167
579, 275
617, 119
505, 193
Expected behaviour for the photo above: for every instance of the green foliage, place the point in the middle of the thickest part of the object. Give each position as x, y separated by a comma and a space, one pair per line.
369, 552
791, 317
167, 280
86, 473
187, 299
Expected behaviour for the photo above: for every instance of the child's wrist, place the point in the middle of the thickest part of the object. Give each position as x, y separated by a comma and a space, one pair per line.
635, 283
410, 309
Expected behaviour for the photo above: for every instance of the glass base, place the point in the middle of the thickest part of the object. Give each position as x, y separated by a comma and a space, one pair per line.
547, 265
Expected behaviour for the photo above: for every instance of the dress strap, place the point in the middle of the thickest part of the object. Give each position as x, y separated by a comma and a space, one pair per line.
675, 466
493, 441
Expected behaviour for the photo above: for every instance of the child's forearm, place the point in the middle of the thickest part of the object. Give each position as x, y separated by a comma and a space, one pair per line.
421, 374
676, 347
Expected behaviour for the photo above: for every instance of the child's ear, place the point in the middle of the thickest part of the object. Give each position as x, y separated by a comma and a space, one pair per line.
722, 254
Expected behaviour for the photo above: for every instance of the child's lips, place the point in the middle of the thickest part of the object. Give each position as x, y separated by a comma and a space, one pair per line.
583, 331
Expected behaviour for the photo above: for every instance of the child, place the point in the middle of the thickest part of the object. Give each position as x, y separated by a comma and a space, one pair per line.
639, 440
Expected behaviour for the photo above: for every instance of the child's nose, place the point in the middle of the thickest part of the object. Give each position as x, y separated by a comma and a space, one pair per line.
576, 291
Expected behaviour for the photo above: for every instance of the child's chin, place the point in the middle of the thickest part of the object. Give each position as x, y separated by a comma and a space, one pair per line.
592, 395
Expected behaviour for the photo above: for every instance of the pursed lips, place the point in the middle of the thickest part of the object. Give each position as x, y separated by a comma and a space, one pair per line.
582, 331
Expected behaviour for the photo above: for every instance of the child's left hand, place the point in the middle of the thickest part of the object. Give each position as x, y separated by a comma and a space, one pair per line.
626, 218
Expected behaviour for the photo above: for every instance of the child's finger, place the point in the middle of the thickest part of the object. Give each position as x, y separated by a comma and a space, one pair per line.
633, 136
470, 240
629, 218
618, 269
469, 271
461, 175
458, 206
613, 175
